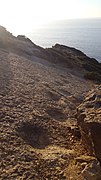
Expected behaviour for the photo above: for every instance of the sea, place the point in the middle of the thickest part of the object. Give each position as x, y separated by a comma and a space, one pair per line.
83, 34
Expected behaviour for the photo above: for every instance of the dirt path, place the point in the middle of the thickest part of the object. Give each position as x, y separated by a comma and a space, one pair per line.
37, 100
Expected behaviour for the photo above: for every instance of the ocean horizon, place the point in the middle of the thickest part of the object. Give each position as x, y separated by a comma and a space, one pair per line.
83, 34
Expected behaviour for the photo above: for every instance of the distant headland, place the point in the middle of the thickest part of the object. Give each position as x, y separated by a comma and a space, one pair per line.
50, 111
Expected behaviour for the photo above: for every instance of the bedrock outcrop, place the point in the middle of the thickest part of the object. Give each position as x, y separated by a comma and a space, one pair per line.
89, 121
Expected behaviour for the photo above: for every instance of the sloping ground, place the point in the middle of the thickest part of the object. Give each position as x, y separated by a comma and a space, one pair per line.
38, 131
36, 99
75, 59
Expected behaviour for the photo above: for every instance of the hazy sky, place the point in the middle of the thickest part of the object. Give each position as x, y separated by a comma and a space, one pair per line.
20, 15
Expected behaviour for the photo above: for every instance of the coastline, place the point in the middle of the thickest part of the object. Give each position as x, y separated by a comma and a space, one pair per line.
46, 104
77, 33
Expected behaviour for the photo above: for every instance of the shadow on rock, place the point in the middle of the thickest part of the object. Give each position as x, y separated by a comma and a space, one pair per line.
95, 129
56, 114
34, 135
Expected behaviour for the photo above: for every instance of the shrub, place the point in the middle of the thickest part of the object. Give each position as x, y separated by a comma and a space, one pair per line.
93, 76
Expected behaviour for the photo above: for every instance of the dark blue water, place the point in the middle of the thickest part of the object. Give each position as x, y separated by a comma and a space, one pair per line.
83, 34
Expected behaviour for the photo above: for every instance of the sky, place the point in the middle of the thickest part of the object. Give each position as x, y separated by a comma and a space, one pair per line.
19, 16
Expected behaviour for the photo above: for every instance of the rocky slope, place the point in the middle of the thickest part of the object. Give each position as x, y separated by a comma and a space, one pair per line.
40, 90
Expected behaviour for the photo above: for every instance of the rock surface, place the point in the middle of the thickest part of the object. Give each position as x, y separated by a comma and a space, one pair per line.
89, 121
92, 171
39, 92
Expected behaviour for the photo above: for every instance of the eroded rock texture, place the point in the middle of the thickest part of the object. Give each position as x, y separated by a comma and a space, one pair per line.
89, 121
